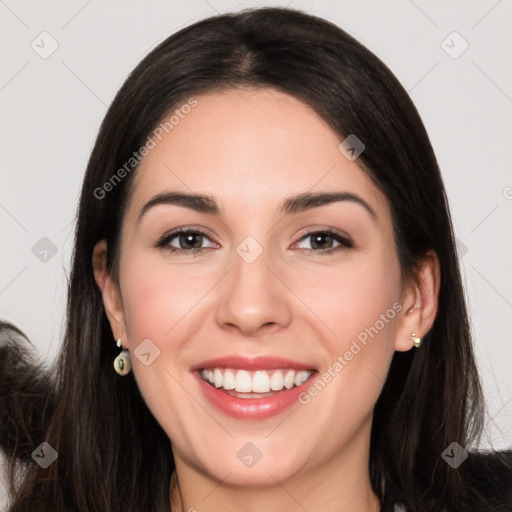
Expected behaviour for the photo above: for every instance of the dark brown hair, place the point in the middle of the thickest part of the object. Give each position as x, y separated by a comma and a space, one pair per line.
112, 454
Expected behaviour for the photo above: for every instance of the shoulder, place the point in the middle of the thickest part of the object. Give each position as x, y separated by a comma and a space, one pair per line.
491, 476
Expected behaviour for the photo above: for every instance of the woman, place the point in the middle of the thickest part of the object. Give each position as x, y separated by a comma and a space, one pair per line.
265, 310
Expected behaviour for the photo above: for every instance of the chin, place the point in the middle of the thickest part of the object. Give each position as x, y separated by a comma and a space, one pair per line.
253, 463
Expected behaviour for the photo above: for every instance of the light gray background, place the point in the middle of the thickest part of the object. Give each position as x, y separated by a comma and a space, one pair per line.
52, 108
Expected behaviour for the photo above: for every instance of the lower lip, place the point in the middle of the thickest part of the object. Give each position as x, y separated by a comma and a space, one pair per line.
251, 408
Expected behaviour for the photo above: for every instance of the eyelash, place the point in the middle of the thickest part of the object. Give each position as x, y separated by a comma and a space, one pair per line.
345, 242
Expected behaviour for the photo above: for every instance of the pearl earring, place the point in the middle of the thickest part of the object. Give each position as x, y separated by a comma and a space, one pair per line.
417, 341
122, 363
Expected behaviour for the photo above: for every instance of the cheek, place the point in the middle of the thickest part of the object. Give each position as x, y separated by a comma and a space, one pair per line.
362, 312
360, 306
156, 300
353, 299
159, 305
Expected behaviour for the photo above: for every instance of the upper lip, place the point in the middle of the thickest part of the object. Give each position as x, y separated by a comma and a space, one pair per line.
251, 363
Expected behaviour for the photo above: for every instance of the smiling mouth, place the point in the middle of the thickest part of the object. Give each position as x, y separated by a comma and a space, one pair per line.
254, 384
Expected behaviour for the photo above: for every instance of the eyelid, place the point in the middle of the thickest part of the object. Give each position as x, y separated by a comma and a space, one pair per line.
344, 240
163, 241
196, 228
311, 230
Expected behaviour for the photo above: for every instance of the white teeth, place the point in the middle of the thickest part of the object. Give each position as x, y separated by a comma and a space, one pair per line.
229, 380
217, 378
300, 377
243, 382
259, 381
277, 381
289, 379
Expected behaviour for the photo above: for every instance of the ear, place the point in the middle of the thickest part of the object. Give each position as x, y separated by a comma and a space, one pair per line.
420, 300
110, 292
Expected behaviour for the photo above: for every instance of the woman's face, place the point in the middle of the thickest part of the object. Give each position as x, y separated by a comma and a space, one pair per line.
282, 287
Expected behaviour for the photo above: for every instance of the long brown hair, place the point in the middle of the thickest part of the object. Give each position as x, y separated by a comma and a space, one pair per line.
112, 454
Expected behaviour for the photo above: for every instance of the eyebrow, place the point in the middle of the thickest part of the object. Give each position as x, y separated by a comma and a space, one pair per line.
204, 203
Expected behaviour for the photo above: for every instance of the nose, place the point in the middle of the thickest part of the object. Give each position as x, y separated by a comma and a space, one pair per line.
254, 298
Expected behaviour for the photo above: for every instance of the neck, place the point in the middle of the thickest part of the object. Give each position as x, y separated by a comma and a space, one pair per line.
279, 499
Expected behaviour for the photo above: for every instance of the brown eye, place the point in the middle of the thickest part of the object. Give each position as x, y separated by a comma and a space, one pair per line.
190, 241
324, 242
321, 241
183, 241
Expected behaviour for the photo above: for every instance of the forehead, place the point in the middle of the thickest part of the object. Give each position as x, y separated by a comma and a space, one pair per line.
251, 146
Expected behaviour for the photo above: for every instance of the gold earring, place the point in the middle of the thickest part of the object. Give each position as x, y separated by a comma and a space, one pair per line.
122, 363
417, 341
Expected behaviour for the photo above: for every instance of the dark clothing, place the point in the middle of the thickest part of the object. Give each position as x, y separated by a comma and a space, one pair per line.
492, 480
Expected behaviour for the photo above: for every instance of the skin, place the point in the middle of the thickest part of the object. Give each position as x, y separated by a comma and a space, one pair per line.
251, 149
